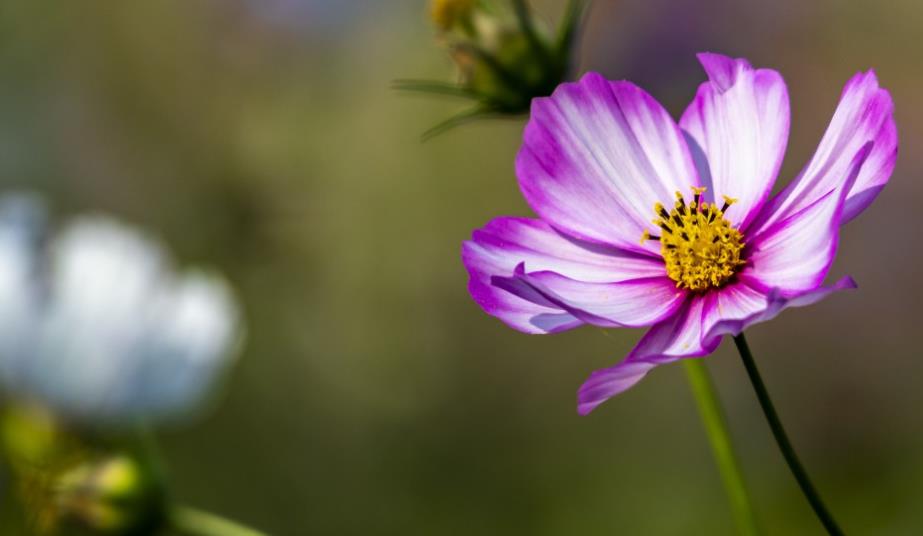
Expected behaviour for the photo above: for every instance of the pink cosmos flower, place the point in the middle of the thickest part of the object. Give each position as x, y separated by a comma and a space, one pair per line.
643, 222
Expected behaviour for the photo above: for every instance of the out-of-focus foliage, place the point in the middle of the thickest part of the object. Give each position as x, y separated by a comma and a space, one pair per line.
63, 483
262, 137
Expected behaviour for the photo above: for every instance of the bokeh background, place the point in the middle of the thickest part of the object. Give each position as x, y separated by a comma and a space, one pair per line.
374, 397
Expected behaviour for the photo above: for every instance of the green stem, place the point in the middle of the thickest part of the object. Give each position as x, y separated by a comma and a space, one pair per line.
193, 522
720, 439
785, 445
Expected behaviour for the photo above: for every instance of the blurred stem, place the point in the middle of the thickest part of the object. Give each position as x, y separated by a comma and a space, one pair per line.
193, 522
713, 419
186, 520
778, 431
150, 453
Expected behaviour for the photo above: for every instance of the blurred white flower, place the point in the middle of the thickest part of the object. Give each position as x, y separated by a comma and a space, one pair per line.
96, 325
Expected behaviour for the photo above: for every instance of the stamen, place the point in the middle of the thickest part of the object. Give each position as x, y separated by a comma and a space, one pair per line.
728, 201
646, 235
698, 191
700, 248
680, 203
662, 211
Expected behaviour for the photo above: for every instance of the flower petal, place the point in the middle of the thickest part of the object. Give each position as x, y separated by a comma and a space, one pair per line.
731, 302
504, 243
190, 344
605, 383
739, 125
631, 303
695, 331
119, 337
597, 156
865, 114
675, 338
742, 306
793, 255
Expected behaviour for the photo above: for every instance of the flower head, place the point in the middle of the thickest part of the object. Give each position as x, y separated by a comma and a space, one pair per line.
600, 164
95, 325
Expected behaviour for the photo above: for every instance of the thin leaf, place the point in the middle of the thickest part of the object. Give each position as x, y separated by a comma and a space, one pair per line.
569, 31
521, 7
457, 120
434, 87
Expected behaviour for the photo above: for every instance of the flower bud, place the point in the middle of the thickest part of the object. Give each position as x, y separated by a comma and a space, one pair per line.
504, 56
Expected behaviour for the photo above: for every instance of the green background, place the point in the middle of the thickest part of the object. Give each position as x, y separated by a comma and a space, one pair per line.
260, 137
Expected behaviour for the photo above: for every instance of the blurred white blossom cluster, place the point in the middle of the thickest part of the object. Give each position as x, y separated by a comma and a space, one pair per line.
96, 324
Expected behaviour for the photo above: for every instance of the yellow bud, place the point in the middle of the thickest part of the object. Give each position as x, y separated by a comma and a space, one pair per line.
108, 495
118, 477
447, 14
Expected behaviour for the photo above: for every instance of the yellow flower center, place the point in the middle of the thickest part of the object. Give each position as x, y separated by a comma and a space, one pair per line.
700, 248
